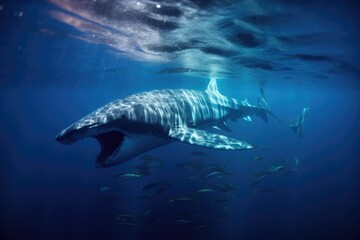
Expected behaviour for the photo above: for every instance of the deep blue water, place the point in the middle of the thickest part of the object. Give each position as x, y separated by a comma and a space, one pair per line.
61, 60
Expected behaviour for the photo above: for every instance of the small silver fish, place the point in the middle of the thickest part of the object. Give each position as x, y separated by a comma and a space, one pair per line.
257, 158
214, 174
259, 179
183, 199
204, 190
104, 189
127, 176
297, 161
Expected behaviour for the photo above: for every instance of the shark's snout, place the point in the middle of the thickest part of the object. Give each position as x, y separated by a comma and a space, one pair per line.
76, 132
65, 137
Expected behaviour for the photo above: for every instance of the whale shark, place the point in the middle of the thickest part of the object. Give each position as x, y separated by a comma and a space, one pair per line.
128, 127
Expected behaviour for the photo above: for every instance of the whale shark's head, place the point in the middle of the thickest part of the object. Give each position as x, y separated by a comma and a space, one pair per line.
109, 132
121, 130
112, 127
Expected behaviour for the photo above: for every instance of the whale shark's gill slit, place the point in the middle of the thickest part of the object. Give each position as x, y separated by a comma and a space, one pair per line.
110, 143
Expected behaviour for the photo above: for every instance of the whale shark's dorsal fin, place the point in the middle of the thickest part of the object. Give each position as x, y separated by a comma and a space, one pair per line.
212, 87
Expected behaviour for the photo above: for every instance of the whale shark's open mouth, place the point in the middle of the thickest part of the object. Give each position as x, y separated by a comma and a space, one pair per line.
110, 143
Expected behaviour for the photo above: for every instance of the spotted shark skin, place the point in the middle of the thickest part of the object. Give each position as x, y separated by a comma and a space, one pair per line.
126, 128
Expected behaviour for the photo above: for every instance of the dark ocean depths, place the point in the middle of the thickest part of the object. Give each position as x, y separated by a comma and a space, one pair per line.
62, 59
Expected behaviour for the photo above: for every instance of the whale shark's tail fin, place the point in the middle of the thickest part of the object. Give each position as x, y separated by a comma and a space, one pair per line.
297, 125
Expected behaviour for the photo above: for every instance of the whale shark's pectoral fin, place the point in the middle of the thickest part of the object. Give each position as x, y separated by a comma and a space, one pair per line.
206, 139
